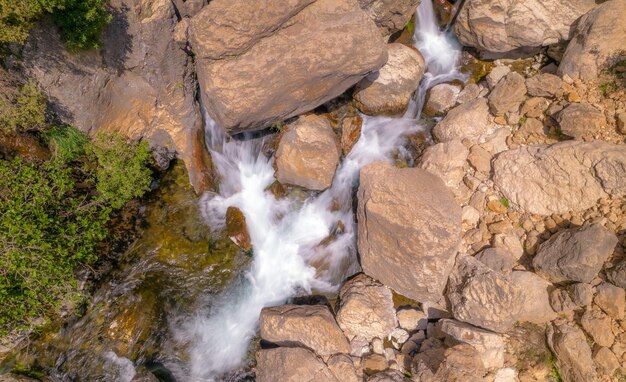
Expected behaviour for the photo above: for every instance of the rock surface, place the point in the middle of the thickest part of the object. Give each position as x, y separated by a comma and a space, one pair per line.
389, 90
597, 42
440, 99
573, 355
342, 367
462, 363
366, 308
310, 326
535, 303
390, 15
489, 345
508, 94
447, 161
576, 254
505, 25
611, 300
291, 365
567, 176
409, 229
235, 58
468, 120
308, 153
580, 119
544, 85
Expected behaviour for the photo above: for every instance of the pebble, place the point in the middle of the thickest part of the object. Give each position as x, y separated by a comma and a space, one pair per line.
500, 227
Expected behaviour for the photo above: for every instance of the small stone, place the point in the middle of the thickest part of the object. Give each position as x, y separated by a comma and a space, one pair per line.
350, 133
440, 99
377, 346
480, 159
373, 363
574, 360
500, 227
411, 319
343, 368
489, 345
611, 300
561, 301
470, 216
497, 206
507, 374
607, 361
621, 122
398, 337
580, 119
582, 294
509, 242
535, 107
508, 94
598, 325
470, 92
359, 346
544, 85
573, 96
500, 120
497, 259
496, 75
617, 274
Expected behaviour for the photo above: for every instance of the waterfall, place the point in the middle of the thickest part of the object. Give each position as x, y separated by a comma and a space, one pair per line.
286, 234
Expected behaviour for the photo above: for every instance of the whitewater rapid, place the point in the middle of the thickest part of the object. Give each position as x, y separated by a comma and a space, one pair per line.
287, 234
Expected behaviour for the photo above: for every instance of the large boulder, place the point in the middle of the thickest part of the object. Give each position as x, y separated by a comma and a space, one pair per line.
409, 229
482, 297
308, 153
310, 326
389, 90
291, 365
576, 254
366, 308
598, 41
506, 25
468, 120
261, 63
140, 83
390, 15
567, 176
573, 355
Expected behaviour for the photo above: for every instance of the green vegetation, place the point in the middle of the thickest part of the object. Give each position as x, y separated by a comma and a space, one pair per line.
554, 370
81, 21
505, 202
608, 87
24, 110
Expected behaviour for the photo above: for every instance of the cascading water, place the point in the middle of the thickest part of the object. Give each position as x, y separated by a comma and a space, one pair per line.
287, 234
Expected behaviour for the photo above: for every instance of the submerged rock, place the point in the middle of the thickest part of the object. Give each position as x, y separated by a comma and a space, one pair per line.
409, 229
389, 90
237, 229
308, 153
239, 46
291, 365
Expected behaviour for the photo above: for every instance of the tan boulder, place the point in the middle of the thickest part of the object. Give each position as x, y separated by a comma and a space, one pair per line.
578, 120
310, 326
535, 300
489, 345
440, 99
409, 229
507, 96
240, 45
572, 352
390, 15
308, 153
291, 365
389, 90
469, 120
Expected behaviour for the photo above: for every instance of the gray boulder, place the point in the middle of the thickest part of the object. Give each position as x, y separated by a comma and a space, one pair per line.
507, 96
544, 85
580, 119
572, 352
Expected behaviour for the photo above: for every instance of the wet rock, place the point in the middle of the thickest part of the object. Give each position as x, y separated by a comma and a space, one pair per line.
237, 229
509, 25
508, 94
496, 259
489, 345
310, 326
576, 254
462, 363
389, 90
390, 16
409, 229
544, 85
469, 120
611, 300
388, 376
411, 319
481, 296
580, 119
308, 153
617, 274
440, 99
573, 354
238, 47
607, 361
597, 42
567, 176
291, 365
598, 325
366, 308
447, 161
535, 302
496, 74
350, 133
342, 367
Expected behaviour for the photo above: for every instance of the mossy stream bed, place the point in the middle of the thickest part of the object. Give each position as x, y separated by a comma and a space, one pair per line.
175, 264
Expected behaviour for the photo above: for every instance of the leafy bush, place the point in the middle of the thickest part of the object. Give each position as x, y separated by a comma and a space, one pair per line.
27, 110
47, 228
66, 142
121, 173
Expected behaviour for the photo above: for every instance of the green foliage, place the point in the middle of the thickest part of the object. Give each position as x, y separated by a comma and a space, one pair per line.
122, 173
47, 228
66, 142
608, 87
505, 202
410, 27
81, 21
27, 110
277, 127
554, 370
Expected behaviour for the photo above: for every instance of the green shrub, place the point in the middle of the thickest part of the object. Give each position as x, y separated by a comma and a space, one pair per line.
67, 143
26, 111
121, 173
47, 228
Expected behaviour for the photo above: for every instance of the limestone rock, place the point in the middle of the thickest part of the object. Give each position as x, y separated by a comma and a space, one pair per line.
561, 301
506, 25
598, 325
440, 99
617, 274
374, 363
238, 46
469, 120
576, 254
496, 74
497, 259
489, 345
308, 153
462, 363
582, 294
389, 90
390, 15
310, 326
350, 133
291, 365
411, 319
611, 299
597, 43
481, 296
508, 94
607, 361
567, 176
388, 376
580, 119
237, 229
573, 354
544, 85
409, 229
342, 367
509, 242
366, 308
447, 161
535, 304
